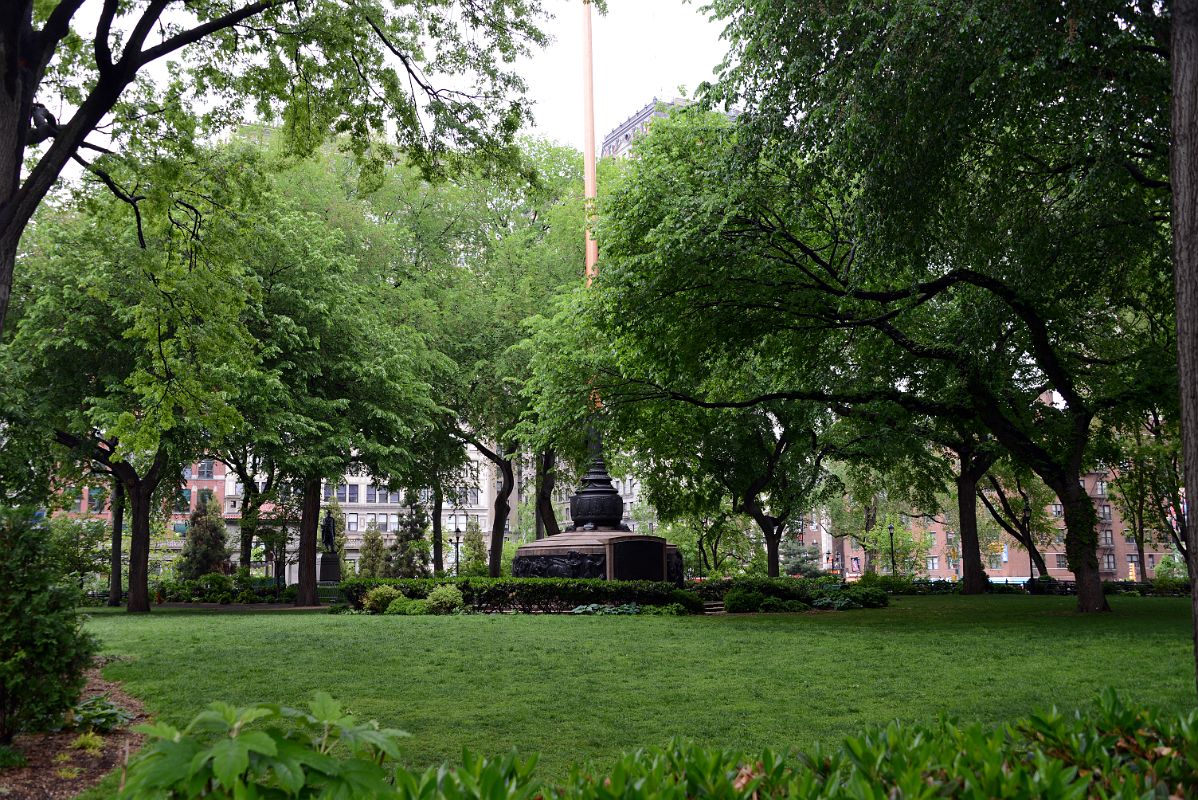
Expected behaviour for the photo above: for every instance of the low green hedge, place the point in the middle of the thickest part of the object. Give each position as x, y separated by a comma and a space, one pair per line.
1110, 751
531, 594
1161, 587
747, 594
218, 588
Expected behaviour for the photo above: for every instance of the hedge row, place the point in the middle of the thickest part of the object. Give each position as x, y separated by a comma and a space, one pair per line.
1111, 751
218, 588
532, 594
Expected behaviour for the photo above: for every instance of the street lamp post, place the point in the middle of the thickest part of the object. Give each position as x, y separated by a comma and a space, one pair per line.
892, 569
457, 542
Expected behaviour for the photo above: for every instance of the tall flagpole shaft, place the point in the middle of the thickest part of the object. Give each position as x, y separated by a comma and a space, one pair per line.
590, 183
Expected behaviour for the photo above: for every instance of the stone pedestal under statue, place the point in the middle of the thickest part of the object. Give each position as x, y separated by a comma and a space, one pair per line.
597, 544
330, 568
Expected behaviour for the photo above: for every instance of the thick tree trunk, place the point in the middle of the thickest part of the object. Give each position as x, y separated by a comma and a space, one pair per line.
1141, 567
502, 507
139, 496
309, 522
438, 504
546, 481
1037, 559
973, 573
1183, 175
118, 526
1081, 544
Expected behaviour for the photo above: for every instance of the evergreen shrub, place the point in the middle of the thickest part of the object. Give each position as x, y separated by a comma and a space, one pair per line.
1109, 751
43, 647
743, 600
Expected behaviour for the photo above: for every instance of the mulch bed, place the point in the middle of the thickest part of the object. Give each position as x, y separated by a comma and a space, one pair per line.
57, 770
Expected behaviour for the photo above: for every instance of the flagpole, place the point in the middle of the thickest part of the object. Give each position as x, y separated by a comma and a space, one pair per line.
590, 182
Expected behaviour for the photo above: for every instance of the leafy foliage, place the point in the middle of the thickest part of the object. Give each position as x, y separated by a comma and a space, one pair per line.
445, 599
43, 649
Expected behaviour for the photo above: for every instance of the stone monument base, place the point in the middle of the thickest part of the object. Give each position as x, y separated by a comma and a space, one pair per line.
330, 568
607, 554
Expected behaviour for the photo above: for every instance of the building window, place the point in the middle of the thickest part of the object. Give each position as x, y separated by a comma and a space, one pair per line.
1108, 562
1105, 538
204, 496
1133, 558
383, 523
1151, 561
473, 496
328, 492
370, 520
353, 493
950, 563
856, 563
995, 560
1100, 488
426, 495
370, 493
95, 500
341, 493
351, 522
1057, 509
1062, 561
395, 522
933, 563
180, 528
206, 471
183, 502
395, 498
239, 488
1104, 511
187, 473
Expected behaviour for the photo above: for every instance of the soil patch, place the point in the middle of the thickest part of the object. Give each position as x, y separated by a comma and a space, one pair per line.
58, 770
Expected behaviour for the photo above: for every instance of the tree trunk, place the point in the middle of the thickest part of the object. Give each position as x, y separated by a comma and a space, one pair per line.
502, 508
545, 485
1037, 559
118, 526
1183, 173
309, 522
973, 573
1141, 567
139, 495
1081, 544
251, 506
438, 504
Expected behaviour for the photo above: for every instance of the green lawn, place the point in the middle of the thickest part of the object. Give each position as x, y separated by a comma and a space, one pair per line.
586, 688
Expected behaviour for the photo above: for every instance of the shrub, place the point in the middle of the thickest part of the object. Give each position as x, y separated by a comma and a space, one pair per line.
445, 600
531, 594
207, 545
1110, 751
415, 608
211, 587
1165, 585
379, 598
398, 606
740, 601
671, 610
772, 605
43, 648
246, 596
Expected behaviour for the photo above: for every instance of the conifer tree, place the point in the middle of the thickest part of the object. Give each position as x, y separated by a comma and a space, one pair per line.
373, 561
408, 556
474, 557
207, 545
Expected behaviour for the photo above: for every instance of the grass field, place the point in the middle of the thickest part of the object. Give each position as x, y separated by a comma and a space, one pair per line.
586, 688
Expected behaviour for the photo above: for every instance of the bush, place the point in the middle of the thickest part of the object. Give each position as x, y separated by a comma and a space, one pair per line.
1166, 586
378, 599
772, 605
246, 596
398, 606
43, 648
1111, 751
206, 547
212, 587
98, 714
445, 600
742, 600
804, 589
10, 759
671, 610
557, 595
415, 608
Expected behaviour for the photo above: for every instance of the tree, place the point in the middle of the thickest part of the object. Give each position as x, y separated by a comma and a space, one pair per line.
408, 556
372, 562
766, 257
474, 553
207, 546
78, 546
1018, 503
359, 69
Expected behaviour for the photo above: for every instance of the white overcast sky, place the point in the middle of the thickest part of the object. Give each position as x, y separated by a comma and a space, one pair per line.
643, 49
